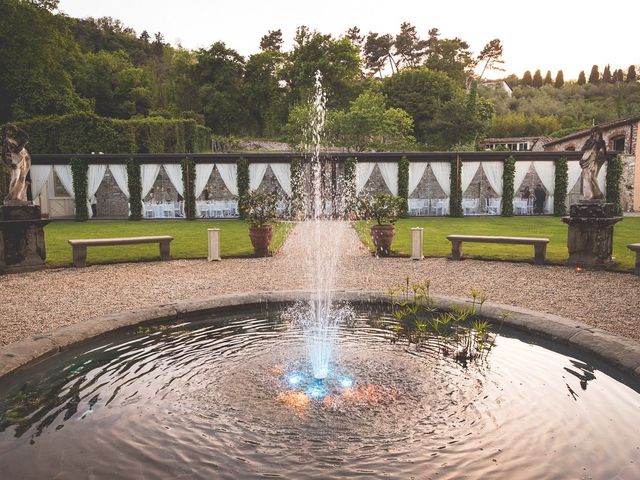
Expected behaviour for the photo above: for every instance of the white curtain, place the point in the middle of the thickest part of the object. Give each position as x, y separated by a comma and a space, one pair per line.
416, 172
521, 170
493, 171
119, 173
389, 173
174, 172
94, 179
469, 170
256, 174
363, 172
229, 174
574, 172
66, 178
203, 172
546, 171
602, 179
442, 172
148, 174
282, 171
39, 176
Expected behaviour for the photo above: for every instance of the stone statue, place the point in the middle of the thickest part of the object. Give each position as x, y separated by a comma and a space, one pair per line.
593, 157
16, 157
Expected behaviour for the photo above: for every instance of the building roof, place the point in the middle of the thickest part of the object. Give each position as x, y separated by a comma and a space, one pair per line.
511, 139
603, 126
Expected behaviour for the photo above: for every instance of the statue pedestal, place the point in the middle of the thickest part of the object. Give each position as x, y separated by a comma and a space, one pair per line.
590, 239
21, 238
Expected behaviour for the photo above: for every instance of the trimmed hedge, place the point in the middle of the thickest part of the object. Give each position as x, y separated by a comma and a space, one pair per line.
455, 200
614, 177
561, 189
189, 182
135, 190
403, 185
508, 179
86, 133
79, 172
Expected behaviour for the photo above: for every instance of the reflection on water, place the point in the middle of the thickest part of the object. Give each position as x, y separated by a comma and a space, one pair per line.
227, 399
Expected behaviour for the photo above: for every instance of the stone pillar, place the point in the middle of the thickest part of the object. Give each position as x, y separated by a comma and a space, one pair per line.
22, 238
214, 244
590, 238
417, 242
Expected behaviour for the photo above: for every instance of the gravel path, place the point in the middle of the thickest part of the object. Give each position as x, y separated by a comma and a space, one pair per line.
32, 303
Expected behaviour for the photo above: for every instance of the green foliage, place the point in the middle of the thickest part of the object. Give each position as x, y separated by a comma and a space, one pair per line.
403, 185
561, 187
243, 177
135, 190
515, 124
297, 185
614, 179
594, 76
382, 207
559, 79
508, 178
537, 79
568, 131
455, 198
188, 167
259, 208
79, 172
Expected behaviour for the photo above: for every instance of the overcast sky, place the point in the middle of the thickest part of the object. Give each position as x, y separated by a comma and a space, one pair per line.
570, 35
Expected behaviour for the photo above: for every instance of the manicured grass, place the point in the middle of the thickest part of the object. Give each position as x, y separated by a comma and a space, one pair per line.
190, 239
436, 230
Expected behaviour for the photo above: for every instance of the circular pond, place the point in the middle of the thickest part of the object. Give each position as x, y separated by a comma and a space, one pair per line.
232, 397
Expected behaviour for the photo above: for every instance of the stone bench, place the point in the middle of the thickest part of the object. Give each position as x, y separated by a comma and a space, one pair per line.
80, 246
539, 244
635, 247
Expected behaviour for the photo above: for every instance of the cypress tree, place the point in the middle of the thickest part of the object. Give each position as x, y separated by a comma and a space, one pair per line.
548, 79
582, 78
618, 75
537, 79
559, 79
606, 75
594, 76
631, 74
526, 79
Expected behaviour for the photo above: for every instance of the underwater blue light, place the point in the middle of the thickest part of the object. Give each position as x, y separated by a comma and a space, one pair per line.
294, 379
316, 392
346, 382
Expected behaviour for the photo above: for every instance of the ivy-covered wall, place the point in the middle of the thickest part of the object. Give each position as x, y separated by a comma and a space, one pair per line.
455, 200
135, 190
86, 133
561, 188
508, 179
79, 172
614, 180
189, 182
403, 185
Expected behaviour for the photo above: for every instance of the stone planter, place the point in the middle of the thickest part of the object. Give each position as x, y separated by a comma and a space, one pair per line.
382, 236
261, 239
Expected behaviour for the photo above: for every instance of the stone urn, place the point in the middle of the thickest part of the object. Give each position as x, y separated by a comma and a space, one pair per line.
382, 236
261, 239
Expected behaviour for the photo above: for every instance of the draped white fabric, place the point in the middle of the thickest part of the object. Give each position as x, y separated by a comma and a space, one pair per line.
442, 172
94, 179
389, 173
574, 172
416, 172
256, 174
546, 171
229, 174
521, 170
148, 174
363, 172
39, 176
203, 172
469, 170
493, 171
119, 173
602, 179
66, 178
282, 171
174, 172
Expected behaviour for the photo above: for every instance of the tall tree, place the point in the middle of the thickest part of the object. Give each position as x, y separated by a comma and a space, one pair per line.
606, 74
272, 41
377, 52
448, 55
537, 79
527, 79
631, 74
559, 79
354, 35
409, 47
594, 76
582, 78
491, 56
548, 79
618, 75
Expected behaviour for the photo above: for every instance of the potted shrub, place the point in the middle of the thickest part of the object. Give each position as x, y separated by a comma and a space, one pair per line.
384, 208
259, 209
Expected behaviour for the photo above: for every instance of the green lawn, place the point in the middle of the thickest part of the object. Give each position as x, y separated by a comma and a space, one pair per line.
190, 239
436, 230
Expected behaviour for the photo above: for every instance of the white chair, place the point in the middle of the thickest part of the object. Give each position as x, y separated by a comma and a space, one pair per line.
425, 207
148, 210
178, 209
168, 210
530, 205
470, 206
442, 207
414, 207
492, 206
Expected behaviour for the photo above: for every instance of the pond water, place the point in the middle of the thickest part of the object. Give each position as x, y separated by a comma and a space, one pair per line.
232, 397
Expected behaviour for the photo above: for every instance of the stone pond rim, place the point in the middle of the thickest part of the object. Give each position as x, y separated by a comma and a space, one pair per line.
621, 352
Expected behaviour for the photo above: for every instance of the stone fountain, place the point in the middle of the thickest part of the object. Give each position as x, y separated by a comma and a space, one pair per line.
22, 245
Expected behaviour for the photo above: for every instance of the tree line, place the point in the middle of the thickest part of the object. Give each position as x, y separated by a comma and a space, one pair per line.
595, 78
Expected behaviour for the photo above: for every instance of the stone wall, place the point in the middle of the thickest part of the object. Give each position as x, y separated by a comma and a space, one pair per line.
111, 201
